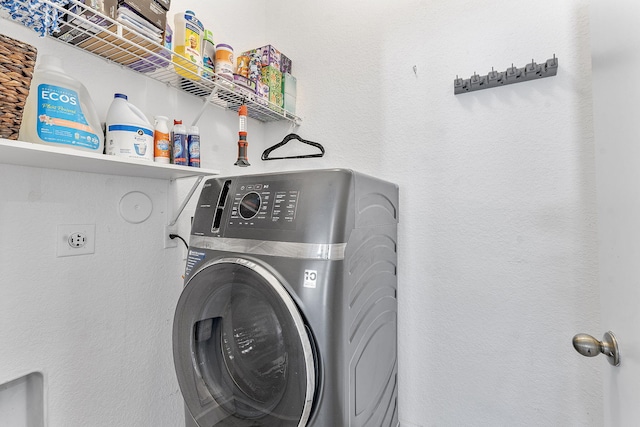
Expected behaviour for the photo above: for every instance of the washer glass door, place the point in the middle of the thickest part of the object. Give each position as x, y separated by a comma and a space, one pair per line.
242, 353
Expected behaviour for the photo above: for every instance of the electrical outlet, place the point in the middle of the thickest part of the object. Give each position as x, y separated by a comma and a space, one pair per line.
76, 240
168, 241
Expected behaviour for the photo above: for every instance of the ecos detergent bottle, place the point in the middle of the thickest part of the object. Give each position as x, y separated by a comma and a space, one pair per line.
129, 133
59, 110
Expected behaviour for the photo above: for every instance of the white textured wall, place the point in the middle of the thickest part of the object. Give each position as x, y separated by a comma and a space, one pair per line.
498, 257
96, 325
99, 326
616, 62
498, 250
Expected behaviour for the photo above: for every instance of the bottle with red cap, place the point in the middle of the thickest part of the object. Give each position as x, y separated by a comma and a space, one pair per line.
193, 141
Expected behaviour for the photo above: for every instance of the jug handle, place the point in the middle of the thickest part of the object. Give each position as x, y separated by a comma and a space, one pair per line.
139, 113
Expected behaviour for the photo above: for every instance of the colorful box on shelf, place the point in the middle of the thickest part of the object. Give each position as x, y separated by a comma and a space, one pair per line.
272, 77
269, 55
285, 64
289, 84
289, 103
244, 83
276, 100
262, 92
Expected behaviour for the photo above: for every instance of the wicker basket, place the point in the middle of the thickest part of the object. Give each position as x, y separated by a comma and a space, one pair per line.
17, 60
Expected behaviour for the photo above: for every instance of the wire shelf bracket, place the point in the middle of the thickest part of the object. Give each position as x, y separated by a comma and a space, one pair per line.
175, 217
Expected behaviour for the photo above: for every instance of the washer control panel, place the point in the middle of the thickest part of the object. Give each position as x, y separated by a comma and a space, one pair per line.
265, 205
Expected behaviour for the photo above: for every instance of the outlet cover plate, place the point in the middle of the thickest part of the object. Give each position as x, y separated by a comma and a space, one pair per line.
168, 242
64, 248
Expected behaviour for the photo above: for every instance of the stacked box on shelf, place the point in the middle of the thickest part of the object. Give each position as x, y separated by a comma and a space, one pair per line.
272, 78
255, 74
166, 4
289, 84
150, 10
285, 64
269, 55
262, 92
99, 35
74, 30
272, 63
153, 12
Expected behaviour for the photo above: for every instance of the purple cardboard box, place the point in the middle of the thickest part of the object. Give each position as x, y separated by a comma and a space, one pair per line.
285, 64
262, 90
244, 82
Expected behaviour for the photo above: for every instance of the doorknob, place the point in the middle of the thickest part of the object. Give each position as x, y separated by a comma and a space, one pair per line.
588, 346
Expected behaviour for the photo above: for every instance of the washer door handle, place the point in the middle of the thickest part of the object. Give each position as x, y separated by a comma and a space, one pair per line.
589, 346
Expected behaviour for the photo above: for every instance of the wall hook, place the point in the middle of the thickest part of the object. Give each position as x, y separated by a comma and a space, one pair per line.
510, 75
293, 126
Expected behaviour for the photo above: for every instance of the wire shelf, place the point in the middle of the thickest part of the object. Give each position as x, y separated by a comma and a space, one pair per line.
93, 32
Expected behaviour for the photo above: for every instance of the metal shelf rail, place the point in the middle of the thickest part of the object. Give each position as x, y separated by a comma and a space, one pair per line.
120, 44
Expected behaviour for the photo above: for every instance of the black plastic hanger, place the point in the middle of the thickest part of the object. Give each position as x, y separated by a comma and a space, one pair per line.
265, 154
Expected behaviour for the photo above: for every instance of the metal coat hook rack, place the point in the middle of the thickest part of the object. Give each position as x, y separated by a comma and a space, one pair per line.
512, 74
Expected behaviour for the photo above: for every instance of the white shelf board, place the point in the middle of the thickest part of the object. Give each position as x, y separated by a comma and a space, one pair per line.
50, 157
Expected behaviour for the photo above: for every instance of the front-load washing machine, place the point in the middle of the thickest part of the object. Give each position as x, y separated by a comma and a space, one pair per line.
288, 316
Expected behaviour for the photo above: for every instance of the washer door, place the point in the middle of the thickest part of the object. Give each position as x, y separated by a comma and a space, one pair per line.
241, 350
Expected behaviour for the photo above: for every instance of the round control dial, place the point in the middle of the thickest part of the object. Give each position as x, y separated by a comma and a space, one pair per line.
250, 205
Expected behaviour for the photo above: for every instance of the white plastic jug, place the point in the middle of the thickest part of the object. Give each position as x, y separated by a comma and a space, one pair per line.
129, 133
59, 110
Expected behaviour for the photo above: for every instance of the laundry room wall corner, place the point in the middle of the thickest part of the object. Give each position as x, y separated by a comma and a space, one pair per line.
497, 235
91, 323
